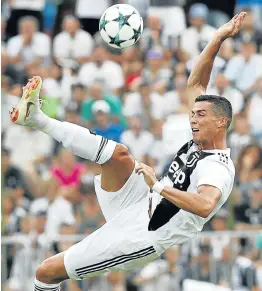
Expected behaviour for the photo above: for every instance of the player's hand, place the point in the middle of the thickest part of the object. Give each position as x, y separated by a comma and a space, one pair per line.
149, 174
232, 27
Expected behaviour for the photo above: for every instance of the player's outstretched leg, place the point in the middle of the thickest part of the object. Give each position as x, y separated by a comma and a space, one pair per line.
79, 140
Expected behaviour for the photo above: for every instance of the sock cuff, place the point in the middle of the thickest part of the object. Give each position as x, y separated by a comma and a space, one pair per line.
105, 151
46, 286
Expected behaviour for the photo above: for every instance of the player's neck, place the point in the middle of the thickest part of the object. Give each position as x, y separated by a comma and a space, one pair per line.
214, 145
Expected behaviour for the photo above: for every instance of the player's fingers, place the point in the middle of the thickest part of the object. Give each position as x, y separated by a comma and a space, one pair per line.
139, 167
141, 171
234, 18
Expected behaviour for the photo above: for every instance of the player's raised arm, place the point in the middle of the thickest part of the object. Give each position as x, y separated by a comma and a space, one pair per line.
199, 77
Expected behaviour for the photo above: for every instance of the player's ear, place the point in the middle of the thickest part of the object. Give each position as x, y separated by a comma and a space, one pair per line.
222, 122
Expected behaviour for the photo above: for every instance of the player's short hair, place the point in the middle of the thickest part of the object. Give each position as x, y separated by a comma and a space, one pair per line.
221, 106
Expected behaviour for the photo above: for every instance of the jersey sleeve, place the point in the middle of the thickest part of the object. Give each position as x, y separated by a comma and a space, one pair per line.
214, 173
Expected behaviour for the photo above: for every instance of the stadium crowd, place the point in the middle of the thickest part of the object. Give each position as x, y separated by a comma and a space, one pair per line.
138, 97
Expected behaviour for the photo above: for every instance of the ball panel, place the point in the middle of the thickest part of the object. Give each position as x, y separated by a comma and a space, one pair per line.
127, 43
125, 9
111, 13
126, 33
112, 28
134, 21
105, 36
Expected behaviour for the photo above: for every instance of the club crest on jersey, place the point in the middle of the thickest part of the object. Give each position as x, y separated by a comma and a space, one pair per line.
192, 160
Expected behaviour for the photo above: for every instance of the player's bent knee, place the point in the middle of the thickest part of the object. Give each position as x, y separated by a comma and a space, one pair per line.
50, 272
121, 152
46, 271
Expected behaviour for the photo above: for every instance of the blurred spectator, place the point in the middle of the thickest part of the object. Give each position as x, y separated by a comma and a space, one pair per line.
254, 110
171, 13
249, 32
249, 216
89, 13
27, 259
153, 34
240, 137
92, 217
226, 51
137, 139
73, 43
3, 33
155, 69
196, 37
219, 11
221, 244
248, 170
222, 87
138, 103
30, 47
177, 124
67, 171
178, 96
161, 274
156, 158
72, 116
78, 98
15, 75
244, 69
12, 176
58, 206
96, 93
200, 268
244, 273
27, 153
11, 215
21, 8
102, 124
109, 73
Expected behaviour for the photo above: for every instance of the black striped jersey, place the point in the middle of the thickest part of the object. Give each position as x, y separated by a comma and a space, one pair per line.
189, 169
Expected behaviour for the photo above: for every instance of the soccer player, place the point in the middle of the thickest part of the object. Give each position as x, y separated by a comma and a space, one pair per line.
144, 216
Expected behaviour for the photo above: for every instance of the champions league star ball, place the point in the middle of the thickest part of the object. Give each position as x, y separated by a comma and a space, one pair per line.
121, 26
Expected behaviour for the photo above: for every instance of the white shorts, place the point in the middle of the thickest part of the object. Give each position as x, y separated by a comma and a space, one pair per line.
123, 242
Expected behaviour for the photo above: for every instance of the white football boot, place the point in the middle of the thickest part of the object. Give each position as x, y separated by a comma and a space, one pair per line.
29, 105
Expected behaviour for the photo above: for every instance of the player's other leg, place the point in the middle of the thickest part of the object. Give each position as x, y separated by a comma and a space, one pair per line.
117, 163
123, 243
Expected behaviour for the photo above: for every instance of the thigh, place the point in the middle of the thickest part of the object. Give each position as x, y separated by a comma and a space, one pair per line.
133, 191
121, 244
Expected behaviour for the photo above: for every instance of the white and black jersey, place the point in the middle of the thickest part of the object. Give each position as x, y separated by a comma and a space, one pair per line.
189, 169
131, 237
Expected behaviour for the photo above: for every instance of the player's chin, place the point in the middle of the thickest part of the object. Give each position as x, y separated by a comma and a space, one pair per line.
196, 138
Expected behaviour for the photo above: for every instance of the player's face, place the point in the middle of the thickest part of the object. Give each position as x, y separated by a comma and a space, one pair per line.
203, 123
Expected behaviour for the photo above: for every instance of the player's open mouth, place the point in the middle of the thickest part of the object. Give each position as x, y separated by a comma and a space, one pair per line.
195, 130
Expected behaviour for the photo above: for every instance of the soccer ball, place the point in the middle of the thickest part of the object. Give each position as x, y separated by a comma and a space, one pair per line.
121, 26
